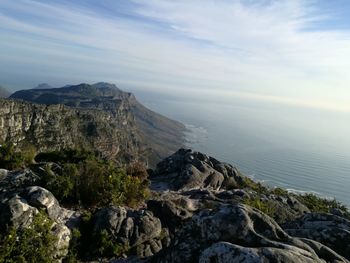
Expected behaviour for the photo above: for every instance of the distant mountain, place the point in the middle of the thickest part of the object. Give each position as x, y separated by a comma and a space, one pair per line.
43, 86
159, 135
4, 93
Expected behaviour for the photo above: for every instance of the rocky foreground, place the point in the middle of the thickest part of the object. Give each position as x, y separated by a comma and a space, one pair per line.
199, 210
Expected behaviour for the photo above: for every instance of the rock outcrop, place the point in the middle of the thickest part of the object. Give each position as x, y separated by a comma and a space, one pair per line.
238, 233
192, 215
187, 169
330, 230
158, 135
140, 231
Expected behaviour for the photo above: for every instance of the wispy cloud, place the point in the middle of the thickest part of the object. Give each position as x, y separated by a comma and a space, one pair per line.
269, 50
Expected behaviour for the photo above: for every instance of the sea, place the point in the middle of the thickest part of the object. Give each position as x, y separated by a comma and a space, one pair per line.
299, 149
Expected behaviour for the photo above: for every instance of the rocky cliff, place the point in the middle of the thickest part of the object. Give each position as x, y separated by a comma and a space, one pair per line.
55, 127
158, 135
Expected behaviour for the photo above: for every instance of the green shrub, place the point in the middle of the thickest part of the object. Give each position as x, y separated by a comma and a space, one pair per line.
94, 182
318, 204
280, 192
65, 156
105, 245
267, 207
11, 159
35, 243
256, 186
74, 246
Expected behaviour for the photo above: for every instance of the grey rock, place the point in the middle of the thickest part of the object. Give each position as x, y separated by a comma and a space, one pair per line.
13, 180
330, 230
15, 211
139, 230
223, 252
187, 169
41, 198
249, 235
172, 209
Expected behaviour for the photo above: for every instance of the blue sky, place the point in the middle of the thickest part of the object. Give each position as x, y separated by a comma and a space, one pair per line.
294, 52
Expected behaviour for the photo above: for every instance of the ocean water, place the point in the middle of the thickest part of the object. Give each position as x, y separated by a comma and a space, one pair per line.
303, 150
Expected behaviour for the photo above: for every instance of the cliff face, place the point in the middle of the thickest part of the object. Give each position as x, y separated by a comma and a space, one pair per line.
159, 136
54, 127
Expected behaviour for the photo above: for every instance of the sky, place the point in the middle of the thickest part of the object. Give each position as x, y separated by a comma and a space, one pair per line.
288, 52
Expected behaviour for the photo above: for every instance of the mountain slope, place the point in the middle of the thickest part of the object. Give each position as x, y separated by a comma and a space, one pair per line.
159, 135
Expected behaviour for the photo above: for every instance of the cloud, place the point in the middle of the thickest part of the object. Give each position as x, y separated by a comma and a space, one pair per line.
265, 49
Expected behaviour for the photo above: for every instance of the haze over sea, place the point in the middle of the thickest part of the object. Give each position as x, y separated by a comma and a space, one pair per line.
296, 148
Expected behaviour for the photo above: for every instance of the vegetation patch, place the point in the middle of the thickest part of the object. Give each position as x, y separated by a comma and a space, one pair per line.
12, 160
265, 206
34, 244
318, 204
89, 181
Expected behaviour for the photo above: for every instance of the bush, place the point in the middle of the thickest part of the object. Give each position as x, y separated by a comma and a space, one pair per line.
318, 204
94, 182
35, 243
65, 156
105, 245
266, 207
10, 159
257, 187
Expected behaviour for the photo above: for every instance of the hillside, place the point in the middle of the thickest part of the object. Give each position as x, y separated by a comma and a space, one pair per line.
159, 135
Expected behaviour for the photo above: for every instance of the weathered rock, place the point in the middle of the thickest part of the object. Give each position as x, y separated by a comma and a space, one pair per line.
41, 198
172, 209
186, 169
13, 180
139, 230
224, 252
63, 235
330, 230
249, 235
15, 211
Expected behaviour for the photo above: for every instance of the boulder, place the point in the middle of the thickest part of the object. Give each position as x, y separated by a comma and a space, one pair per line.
187, 169
139, 230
